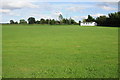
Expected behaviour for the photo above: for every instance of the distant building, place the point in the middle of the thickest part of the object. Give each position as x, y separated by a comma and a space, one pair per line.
88, 24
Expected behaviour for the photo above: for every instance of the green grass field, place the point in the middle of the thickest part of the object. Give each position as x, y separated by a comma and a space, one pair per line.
59, 51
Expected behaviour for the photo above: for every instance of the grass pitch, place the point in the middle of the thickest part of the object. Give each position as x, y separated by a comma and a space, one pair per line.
59, 51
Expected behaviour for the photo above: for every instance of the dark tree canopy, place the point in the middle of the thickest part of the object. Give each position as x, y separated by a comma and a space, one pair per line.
101, 20
42, 21
16, 22
52, 21
47, 21
113, 19
22, 21
90, 19
37, 22
31, 20
12, 22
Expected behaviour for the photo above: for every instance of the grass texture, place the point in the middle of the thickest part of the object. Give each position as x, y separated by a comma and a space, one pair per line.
59, 51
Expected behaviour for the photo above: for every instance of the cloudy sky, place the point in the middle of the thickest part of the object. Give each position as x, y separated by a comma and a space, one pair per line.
78, 10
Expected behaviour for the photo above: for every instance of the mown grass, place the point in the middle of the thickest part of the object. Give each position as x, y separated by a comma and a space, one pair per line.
59, 51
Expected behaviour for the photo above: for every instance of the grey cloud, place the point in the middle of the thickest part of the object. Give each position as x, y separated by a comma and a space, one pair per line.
11, 5
107, 5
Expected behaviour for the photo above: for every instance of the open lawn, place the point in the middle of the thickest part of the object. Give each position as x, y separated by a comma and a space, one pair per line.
59, 51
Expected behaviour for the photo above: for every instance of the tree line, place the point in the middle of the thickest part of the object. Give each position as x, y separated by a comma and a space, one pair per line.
32, 20
113, 19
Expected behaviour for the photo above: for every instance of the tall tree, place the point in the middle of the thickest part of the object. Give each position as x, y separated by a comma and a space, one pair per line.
79, 22
12, 22
90, 19
73, 21
31, 20
60, 17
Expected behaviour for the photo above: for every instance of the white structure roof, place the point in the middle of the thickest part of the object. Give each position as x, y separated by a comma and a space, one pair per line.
88, 23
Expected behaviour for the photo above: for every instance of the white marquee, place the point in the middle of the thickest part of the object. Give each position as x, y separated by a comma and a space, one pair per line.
88, 24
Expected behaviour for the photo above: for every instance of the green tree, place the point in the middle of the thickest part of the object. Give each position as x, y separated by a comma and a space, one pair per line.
90, 19
60, 17
12, 22
73, 21
31, 20
47, 21
16, 22
52, 21
101, 20
70, 20
37, 22
64, 21
67, 21
114, 19
84, 20
42, 21
79, 22
22, 21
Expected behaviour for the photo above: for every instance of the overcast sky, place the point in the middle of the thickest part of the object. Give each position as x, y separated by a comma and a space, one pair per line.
76, 9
